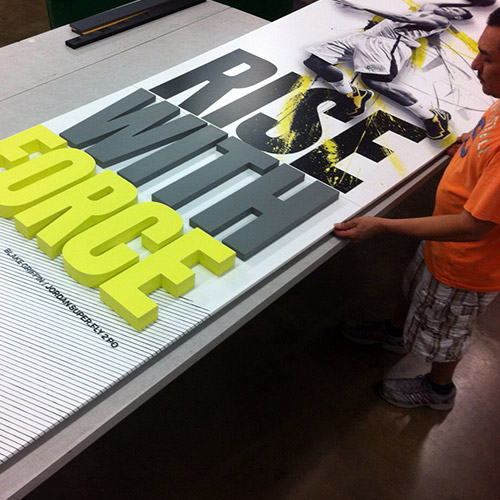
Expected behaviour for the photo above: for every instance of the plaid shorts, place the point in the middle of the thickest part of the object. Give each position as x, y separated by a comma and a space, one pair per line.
439, 322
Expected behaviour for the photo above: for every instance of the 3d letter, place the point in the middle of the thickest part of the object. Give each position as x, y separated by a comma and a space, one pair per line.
41, 178
17, 148
169, 157
274, 216
66, 214
218, 81
123, 145
100, 252
168, 268
238, 157
124, 130
109, 120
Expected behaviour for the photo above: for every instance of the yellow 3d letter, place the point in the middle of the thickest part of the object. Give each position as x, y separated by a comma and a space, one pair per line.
17, 148
127, 293
100, 252
58, 219
40, 178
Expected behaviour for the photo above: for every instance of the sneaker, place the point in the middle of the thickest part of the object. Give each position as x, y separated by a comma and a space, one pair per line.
354, 104
415, 392
375, 332
437, 127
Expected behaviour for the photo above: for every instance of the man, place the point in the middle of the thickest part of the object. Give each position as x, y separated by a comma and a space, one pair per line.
378, 54
457, 274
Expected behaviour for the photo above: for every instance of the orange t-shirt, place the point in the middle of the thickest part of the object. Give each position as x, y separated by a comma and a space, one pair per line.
471, 182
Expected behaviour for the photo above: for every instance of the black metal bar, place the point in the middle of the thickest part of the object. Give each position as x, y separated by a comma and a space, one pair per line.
113, 15
169, 8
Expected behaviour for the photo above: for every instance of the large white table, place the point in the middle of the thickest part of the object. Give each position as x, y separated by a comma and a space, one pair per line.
41, 79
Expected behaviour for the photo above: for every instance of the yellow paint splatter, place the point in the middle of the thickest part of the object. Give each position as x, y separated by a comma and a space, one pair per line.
465, 39
458, 52
332, 155
349, 72
285, 118
413, 6
398, 164
419, 53
394, 158
448, 140
331, 149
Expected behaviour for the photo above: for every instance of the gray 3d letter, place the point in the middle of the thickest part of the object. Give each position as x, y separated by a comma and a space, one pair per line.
169, 157
120, 137
274, 216
238, 156
123, 145
106, 122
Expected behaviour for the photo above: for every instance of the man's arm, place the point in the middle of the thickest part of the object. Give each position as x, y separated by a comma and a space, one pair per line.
456, 227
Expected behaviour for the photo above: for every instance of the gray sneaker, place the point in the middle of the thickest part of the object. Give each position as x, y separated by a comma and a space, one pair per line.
374, 332
415, 392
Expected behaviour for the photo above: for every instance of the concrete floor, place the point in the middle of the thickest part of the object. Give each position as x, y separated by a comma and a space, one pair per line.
284, 409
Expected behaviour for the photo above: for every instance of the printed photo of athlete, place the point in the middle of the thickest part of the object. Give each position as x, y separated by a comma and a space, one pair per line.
378, 54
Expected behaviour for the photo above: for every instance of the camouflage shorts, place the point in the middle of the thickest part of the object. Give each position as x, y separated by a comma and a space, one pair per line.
439, 323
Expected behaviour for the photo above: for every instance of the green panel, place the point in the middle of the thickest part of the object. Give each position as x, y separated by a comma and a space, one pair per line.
267, 9
63, 12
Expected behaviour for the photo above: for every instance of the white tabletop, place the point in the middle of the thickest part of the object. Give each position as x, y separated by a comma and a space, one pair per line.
49, 79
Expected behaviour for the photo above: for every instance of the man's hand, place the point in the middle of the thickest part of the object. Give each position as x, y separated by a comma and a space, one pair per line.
453, 227
457, 144
360, 228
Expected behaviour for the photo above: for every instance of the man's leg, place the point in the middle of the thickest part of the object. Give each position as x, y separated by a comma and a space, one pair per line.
354, 99
439, 330
435, 389
442, 373
329, 73
436, 121
401, 312
387, 333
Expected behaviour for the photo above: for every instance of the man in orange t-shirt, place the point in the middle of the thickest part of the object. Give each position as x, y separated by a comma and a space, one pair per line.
471, 183
456, 272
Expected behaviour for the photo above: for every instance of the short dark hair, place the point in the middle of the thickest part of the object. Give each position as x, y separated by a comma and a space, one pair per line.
494, 18
444, 9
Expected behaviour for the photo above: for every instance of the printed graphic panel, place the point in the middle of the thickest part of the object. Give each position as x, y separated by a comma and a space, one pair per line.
128, 222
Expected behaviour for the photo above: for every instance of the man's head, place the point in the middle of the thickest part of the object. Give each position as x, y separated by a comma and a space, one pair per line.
494, 18
487, 62
453, 13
